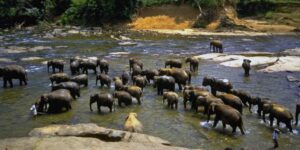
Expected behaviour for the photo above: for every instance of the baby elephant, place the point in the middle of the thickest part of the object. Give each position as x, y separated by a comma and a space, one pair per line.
172, 99
102, 100
132, 124
246, 66
104, 80
140, 81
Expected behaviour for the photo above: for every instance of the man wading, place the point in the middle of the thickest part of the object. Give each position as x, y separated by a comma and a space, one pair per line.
275, 138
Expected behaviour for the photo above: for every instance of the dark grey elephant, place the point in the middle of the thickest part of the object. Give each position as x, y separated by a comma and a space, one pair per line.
192, 95
135, 92
125, 77
104, 80
118, 84
164, 82
260, 105
103, 65
297, 113
140, 81
246, 98
88, 64
75, 67
217, 46
181, 76
13, 72
81, 79
73, 87
133, 61
150, 73
206, 101
173, 63
232, 100
227, 115
102, 100
59, 77
123, 97
172, 99
217, 84
136, 70
246, 66
194, 63
56, 63
58, 101
280, 113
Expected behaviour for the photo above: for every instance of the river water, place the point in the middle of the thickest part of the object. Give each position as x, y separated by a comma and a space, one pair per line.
181, 127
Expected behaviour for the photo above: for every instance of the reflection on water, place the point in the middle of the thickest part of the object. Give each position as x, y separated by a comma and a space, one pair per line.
181, 127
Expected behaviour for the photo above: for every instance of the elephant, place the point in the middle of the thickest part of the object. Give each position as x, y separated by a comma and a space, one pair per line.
281, 113
125, 77
56, 63
194, 63
118, 84
181, 76
103, 65
206, 101
75, 67
164, 82
261, 102
57, 100
13, 72
149, 74
135, 92
132, 124
297, 113
104, 80
192, 95
80, 79
73, 87
136, 70
123, 97
232, 101
172, 99
245, 97
102, 100
140, 81
173, 63
217, 84
246, 66
133, 61
217, 46
59, 77
87, 63
227, 115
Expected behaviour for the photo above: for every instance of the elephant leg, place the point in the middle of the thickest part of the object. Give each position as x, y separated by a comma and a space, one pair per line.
95, 70
241, 129
289, 126
271, 120
4, 82
297, 115
216, 121
184, 103
250, 105
233, 129
205, 109
264, 119
278, 122
180, 87
110, 108
139, 100
176, 105
53, 69
213, 91
21, 82
224, 125
10, 82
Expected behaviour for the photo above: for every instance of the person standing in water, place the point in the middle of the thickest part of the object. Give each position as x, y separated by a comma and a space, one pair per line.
275, 138
33, 109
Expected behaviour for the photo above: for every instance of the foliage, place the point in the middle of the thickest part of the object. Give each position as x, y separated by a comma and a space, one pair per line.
95, 12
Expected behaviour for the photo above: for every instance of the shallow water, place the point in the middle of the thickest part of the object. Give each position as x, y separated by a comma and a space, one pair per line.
180, 127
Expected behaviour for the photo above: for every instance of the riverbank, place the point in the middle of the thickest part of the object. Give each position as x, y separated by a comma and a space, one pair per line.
85, 136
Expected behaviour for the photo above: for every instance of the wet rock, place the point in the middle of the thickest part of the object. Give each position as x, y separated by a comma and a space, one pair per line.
57, 32
15, 49
292, 78
32, 59
73, 31
39, 48
291, 52
6, 60
288, 63
48, 36
62, 46
127, 43
254, 53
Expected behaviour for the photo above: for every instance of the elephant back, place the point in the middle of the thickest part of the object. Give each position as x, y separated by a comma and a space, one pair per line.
60, 95
14, 71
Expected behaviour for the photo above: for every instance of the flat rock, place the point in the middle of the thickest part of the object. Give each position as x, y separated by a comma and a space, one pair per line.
6, 60
291, 52
127, 43
292, 78
32, 59
76, 143
288, 63
39, 48
255, 61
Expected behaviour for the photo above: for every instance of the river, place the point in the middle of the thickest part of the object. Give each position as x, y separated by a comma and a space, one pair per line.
181, 127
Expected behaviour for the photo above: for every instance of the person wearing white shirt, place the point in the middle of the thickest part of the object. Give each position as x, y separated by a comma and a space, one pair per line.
33, 109
275, 138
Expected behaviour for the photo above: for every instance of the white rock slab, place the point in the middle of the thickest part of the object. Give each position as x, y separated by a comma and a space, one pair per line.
288, 63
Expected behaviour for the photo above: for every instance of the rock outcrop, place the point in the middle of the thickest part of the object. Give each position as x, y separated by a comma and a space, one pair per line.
85, 136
